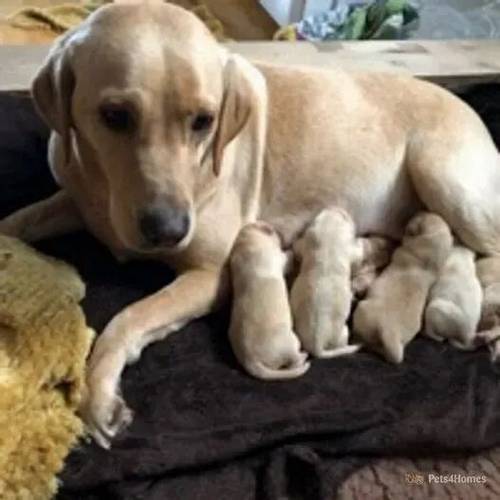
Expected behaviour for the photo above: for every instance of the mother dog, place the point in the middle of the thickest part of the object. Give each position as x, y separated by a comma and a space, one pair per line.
165, 145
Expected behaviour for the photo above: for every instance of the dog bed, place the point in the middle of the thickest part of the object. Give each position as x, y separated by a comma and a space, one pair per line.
44, 342
204, 429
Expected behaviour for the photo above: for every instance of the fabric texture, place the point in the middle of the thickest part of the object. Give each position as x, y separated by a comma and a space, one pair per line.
205, 429
356, 20
56, 18
61, 18
44, 342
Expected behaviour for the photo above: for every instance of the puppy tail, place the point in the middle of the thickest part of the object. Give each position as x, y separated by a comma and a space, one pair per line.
339, 351
443, 319
393, 347
260, 370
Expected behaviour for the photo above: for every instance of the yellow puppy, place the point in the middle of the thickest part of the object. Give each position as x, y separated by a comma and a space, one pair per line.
261, 324
321, 295
488, 273
374, 253
454, 305
391, 315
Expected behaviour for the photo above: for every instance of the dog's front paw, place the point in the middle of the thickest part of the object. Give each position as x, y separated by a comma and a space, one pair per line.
105, 415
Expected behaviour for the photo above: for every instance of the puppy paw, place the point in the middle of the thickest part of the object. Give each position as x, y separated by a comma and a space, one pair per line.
489, 336
105, 416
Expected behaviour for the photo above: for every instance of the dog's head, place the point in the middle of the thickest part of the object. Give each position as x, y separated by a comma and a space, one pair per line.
144, 92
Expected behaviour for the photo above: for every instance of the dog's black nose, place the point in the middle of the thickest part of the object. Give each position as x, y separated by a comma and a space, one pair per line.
164, 226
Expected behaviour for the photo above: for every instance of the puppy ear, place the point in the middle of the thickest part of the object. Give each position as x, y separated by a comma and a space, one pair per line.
237, 104
416, 225
52, 90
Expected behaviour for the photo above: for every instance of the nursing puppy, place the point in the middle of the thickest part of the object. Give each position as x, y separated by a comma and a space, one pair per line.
261, 332
321, 294
373, 254
454, 306
391, 315
488, 273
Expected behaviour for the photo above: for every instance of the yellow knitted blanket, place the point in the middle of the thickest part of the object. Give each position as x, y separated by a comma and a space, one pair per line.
44, 342
61, 18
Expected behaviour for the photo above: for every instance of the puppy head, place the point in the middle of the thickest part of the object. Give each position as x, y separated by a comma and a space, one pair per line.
331, 225
256, 235
426, 224
256, 241
143, 92
334, 221
429, 239
372, 252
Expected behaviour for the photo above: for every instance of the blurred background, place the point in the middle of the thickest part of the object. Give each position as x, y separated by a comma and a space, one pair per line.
39, 21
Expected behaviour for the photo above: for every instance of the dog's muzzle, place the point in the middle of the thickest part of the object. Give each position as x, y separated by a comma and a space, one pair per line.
164, 225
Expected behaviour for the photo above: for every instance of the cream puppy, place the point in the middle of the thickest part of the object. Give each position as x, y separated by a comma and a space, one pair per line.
454, 305
261, 324
373, 254
321, 294
488, 273
391, 315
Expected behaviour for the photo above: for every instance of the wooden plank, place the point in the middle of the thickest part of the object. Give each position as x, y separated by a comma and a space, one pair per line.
446, 62
19, 64
452, 63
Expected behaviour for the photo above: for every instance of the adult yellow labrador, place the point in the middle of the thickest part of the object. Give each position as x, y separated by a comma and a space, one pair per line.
165, 145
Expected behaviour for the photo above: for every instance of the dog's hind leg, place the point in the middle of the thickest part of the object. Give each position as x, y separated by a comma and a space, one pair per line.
459, 179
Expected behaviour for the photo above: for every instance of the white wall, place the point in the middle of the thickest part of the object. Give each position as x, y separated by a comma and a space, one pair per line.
291, 11
284, 11
313, 7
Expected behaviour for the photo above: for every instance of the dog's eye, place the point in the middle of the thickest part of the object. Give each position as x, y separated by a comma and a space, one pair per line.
116, 118
201, 122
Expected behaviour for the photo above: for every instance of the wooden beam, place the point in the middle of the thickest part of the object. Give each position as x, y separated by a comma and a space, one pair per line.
451, 63
445, 62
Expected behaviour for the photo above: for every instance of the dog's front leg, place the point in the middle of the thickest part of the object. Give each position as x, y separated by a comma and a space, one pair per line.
53, 216
192, 295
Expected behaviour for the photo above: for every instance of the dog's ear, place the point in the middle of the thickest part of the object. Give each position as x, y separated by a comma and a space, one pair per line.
237, 104
52, 89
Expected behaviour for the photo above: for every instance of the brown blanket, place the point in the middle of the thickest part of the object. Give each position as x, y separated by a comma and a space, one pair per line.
465, 478
204, 429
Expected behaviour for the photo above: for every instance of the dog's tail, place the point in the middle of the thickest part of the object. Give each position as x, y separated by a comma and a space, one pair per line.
443, 319
260, 370
338, 351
